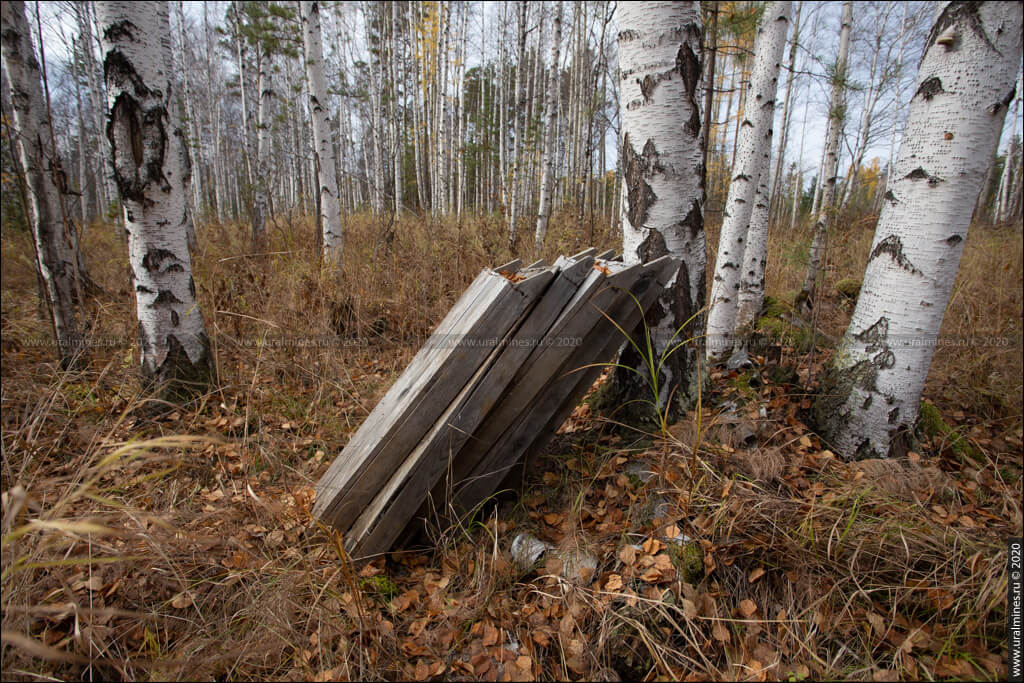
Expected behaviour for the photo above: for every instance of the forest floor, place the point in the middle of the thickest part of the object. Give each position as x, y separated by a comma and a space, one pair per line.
149, 541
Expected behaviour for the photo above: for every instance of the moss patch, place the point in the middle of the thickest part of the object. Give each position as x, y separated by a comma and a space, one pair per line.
688, 559
782, 332
780, 323
930, 424
381, 586
848, 287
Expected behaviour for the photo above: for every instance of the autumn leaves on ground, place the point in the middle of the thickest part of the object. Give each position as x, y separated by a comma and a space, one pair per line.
146, 541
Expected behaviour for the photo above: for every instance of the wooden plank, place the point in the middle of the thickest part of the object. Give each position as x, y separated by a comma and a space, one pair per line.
435, 376
491, 442
537, 264
583, 254
383, 521
539, 421
628, 316
606, 255
511, 267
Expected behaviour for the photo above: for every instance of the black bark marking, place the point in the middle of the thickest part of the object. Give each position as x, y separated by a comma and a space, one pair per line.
874, 336
890, 197
143, 289
174, 268
954, 13
154, 258
120, 30
166, 298
954, 240
627, 35
117, 68
996, 107
921, 174
652, 247
177, 373
191, 287
688, 66
886, 359
930, 87
867, 401
647, 87
893, 246
636, 169
144, 135
694, 221
865, 451
174, 318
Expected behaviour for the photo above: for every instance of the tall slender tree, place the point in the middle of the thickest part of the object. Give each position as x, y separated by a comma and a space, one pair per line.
149, 167
870, 393
663, 189
330, 208
55, 257
755, 143
550, 122
830, 165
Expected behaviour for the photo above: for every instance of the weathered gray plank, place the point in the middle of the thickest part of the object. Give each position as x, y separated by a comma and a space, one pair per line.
568, 396
382, 522
495, 440
537, 424
435, 376
606, 255
586, 252
511, 267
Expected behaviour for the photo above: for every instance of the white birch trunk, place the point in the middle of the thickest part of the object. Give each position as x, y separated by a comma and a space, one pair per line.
194, 143
55, 259
330, 208
869, 396
261, 199
663, 189
898, 99
518, 125
550, 114
787, 111
397, 129
148, 159
750, 296
1003, 198
827, 176
105, 171
755, 141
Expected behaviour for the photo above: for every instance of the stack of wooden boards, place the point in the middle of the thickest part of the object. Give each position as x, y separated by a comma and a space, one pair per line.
503, 370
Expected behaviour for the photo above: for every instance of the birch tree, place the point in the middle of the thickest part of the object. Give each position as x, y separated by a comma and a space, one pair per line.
149, 169
55, 258
830, 164
663, 189
755, 143
870, 393
330, 208
1003, 197
550, 122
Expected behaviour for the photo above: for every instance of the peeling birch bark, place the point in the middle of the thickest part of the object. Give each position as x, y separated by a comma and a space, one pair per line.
870, 393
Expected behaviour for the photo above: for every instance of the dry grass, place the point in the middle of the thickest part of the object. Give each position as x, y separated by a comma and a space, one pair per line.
180, 546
